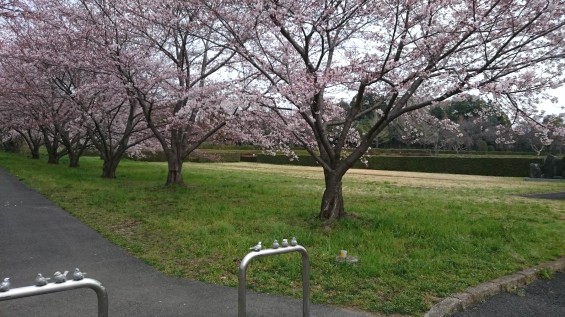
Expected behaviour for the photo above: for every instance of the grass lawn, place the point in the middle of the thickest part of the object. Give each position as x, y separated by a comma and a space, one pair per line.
419, 237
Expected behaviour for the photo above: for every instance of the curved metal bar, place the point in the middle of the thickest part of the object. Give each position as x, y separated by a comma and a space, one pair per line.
242, 300
28, 291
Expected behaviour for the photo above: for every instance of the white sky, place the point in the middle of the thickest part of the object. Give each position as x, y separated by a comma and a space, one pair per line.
555, 108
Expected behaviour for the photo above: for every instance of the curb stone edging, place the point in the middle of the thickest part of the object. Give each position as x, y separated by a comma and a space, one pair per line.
472, 295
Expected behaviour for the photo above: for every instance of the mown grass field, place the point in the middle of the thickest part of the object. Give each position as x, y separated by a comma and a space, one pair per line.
419, 237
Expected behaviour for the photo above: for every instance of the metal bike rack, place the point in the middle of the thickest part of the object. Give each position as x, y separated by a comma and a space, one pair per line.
267, 252
28, 291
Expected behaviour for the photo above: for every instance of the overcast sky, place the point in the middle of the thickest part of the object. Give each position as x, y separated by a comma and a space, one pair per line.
552, 107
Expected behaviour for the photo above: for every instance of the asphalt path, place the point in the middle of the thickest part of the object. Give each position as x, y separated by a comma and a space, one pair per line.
541, 298
36, 236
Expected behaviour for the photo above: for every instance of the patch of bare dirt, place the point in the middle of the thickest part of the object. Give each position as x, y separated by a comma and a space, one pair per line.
126, 228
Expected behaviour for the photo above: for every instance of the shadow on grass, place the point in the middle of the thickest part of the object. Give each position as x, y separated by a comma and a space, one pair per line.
552, 196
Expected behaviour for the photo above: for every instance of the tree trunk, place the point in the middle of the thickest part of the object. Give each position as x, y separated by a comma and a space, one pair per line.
53, 157
75, 147
35, 152
109, 168
175, 170
52, 147
74, 159
332, 201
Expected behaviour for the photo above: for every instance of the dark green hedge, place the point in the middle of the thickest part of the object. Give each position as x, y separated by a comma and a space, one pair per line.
428, 152
500, 166
489, 166
248, 158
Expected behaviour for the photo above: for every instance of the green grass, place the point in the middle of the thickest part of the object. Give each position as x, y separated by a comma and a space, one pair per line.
417, 239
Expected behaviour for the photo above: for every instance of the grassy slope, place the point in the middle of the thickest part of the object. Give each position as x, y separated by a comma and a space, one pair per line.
419, 237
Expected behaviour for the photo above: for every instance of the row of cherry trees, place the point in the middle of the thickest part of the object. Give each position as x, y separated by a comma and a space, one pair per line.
118, 75
127, 75
471, 124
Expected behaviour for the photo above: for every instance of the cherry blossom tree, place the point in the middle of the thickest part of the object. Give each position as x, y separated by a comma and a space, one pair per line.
540, 131
9, 8
27, 109
14, 121
415, 53
421, 127
556, 124
186, 102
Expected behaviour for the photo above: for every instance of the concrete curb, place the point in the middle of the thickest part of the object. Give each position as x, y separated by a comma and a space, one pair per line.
475, 294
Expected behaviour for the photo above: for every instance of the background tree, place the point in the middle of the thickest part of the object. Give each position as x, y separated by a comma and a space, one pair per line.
423, 128
14, 116
539, 133
30, 107
480, 123
556, 124
186, 103
81, 55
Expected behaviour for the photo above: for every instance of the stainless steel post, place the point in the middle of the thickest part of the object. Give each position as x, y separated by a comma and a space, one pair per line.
28, 291
242, 301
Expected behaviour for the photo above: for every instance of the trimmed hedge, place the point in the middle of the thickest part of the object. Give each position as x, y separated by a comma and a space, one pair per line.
488, 166
429, 152
248, 158
207, 157
147, 156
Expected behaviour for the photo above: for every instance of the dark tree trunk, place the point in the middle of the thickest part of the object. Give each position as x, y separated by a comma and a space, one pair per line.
53, 158
52, 146
75, 147
175, 158
34, 150
74, 159
174, 176
34, 146
332, 202
109, 168
75, 151
111, 156
35, 153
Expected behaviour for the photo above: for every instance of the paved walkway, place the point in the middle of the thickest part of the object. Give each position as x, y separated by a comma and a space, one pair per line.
37, 236
542, 298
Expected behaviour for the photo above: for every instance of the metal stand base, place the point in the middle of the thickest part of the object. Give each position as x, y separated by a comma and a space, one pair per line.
242, 301
28, 291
